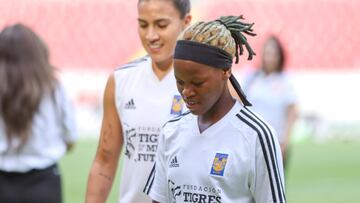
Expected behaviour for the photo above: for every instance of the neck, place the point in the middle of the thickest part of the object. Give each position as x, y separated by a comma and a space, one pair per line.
269, 71
217, 111
161, 69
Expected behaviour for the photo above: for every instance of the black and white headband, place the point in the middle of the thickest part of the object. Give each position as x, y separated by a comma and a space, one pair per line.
211, 56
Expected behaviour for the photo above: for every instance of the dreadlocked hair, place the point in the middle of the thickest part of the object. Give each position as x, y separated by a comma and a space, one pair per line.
226, 33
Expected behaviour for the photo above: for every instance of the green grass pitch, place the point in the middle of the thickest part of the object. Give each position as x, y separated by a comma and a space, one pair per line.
317, 173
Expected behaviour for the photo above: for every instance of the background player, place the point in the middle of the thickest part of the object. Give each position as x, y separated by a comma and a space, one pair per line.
272, 94
37, 123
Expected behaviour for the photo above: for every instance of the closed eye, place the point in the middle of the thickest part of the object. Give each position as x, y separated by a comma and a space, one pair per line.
162, 23
197, 84
162, 26
143, 26
142, 23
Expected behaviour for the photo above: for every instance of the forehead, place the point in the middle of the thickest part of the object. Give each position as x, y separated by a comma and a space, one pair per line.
185, 69
157, 9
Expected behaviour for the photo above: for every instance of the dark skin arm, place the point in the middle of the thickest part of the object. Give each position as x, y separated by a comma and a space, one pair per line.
105, 164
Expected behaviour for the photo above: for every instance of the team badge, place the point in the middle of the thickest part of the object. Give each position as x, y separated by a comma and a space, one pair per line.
219, 164
177, 105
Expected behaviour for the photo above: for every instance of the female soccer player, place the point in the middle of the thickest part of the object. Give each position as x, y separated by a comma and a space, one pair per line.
139, 98
221, 151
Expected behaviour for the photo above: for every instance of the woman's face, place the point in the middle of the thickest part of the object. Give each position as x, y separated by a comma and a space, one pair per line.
159, 26
201, 86
271, 57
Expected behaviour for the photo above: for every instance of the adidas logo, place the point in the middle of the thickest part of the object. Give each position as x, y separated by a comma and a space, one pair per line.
130, 104
174, 163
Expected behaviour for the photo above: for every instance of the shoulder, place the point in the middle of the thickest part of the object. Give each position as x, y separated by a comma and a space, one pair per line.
250, 77
177, 123
132, 71
284, 77
133, 65
172, 131
59, 93
287, 81
178, 120
254, 125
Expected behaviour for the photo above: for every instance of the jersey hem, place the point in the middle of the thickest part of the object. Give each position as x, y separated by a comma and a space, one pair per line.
157, 197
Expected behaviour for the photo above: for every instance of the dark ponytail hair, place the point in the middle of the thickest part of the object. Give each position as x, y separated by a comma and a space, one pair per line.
228, 34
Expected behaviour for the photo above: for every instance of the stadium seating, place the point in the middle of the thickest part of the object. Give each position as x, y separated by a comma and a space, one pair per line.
102, 34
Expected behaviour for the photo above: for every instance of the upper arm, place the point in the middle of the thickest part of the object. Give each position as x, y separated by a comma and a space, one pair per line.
111, 139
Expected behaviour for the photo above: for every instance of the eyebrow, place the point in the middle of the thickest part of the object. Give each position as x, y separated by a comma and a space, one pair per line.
197, 79
156, 21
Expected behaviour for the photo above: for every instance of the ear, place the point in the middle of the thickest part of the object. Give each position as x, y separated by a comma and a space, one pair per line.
227, 74
187, 20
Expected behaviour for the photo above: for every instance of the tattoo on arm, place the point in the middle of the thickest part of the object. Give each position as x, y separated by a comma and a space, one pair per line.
107, 140
105, 176
107, 152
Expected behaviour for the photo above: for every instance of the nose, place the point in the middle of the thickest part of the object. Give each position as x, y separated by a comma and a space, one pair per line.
187, 92
151, 34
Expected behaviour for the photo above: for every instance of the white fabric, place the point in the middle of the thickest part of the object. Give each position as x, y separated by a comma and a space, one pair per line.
185, 161
144, 104
53, 126
270, 96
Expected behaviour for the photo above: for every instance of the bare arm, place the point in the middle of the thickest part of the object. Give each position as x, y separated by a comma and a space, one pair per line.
104, 166
291, 116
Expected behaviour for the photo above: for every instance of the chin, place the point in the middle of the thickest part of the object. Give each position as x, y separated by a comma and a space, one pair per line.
155, 55
196, 112
160, 57
161, 60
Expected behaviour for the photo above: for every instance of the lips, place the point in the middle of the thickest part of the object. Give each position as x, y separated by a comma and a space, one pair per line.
155, 47
190, 104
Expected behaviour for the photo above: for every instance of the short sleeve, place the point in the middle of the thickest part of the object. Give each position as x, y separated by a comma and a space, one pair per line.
156, 186
290, 93
66, 116
268, 179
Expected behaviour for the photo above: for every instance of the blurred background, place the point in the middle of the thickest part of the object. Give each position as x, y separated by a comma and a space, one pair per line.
88, 39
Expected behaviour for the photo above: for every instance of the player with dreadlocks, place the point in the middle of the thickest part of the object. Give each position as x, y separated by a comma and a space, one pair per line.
220, 151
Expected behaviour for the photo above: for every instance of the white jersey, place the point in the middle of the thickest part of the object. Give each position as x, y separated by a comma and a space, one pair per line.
270, 96
236, 159
144, 104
